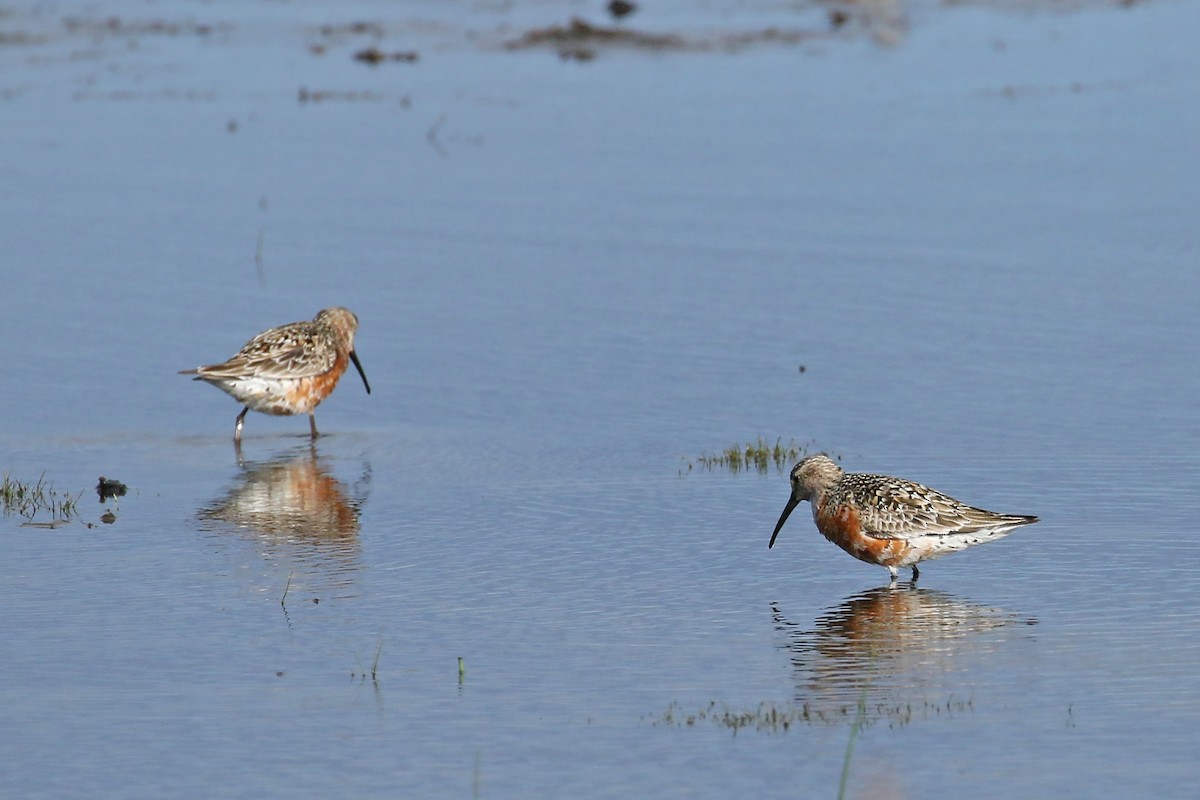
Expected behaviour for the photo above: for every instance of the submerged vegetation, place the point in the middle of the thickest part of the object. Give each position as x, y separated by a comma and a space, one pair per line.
758, 455
773, 718
859, 720
362, 673
27, 499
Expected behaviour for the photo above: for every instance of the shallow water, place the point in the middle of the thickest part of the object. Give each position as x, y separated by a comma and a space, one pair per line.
972, 228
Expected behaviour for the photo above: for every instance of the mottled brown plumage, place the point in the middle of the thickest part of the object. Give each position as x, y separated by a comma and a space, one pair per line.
889, 521
289, 369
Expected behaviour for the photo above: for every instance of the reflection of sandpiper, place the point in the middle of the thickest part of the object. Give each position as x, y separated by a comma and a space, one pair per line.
889, 521
889, 640
293, 506
289, 369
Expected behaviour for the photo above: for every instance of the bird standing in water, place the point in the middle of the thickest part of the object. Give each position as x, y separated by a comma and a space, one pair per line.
889, 521
289, 369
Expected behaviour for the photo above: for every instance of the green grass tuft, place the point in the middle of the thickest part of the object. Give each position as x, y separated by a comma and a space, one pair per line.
26, 499
758, 455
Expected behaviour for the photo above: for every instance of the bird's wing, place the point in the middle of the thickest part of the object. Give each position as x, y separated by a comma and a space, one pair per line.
297, 350
890, 508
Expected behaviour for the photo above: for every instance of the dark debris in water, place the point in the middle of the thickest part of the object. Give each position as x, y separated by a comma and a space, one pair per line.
110, 487
621, 8
373, 56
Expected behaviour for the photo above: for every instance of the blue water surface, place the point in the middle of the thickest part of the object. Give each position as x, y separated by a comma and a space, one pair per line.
953, 243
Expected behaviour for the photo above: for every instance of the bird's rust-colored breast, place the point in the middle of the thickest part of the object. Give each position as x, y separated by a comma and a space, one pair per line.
841, 525
305, 394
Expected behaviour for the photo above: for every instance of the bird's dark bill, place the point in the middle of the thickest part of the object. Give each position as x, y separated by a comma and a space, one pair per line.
358, 366
791, 504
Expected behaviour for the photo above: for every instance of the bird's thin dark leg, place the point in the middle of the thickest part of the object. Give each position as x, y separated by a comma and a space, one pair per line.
312, 424
916, 573
237, 428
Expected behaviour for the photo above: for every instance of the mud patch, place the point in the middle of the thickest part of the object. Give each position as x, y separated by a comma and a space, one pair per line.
580, 40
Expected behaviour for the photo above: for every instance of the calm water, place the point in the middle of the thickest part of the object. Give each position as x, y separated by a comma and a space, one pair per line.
973, 229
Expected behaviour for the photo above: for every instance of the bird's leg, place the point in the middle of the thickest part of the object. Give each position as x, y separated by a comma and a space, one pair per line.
893, 571
312, 424
237, 427
916, 573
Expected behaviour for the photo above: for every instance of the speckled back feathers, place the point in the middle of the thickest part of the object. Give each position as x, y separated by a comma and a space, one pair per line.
296, 350
894, 508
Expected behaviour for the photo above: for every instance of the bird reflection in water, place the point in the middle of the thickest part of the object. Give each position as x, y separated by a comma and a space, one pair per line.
298, 514
896, 647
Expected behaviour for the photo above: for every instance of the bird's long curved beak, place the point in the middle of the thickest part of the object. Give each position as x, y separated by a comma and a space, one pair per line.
358, 366
791, 504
